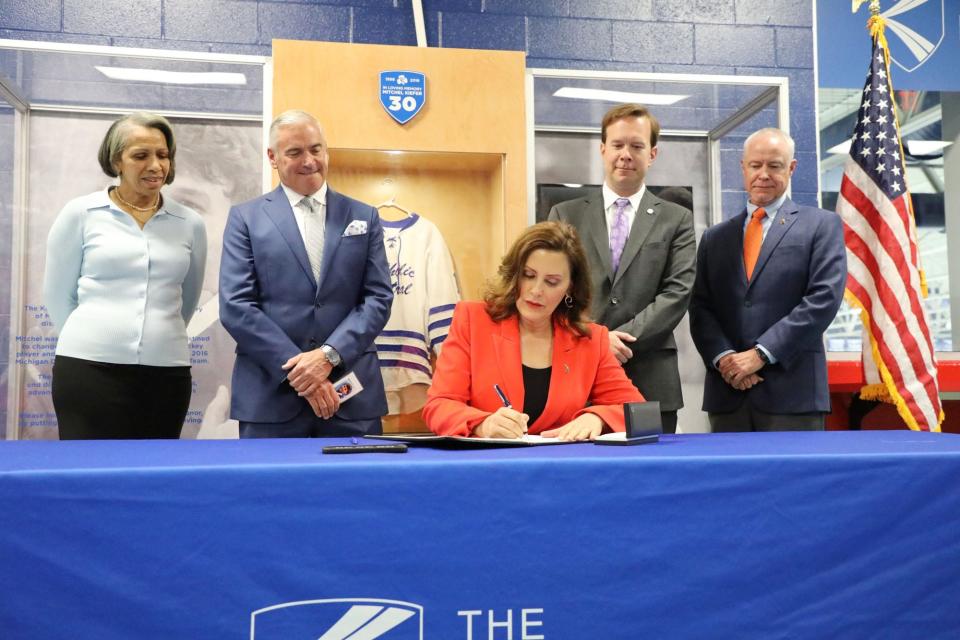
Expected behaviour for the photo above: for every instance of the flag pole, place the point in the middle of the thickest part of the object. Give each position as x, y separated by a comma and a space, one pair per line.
908, 378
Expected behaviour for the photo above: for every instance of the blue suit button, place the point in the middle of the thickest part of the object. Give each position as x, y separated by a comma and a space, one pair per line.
614, 300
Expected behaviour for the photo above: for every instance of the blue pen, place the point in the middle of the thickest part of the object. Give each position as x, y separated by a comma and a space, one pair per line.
504, 400
503, 396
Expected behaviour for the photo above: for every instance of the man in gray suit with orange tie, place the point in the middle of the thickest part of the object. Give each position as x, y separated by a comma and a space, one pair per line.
304, 290
642, 253
769, 282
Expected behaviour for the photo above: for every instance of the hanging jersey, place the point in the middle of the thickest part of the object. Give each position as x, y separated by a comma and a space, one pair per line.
425, 292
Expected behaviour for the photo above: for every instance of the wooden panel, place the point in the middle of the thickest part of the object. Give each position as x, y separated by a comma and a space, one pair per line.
475, 104
464, 203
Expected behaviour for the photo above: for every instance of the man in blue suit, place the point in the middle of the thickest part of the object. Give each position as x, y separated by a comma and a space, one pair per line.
769, 282
304, 290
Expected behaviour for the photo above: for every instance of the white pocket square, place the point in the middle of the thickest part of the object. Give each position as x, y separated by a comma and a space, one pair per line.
355, 228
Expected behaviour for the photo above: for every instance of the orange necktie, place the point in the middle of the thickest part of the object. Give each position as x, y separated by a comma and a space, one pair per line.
752, 240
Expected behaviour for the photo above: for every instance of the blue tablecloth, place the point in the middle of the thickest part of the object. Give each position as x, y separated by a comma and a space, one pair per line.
785, 535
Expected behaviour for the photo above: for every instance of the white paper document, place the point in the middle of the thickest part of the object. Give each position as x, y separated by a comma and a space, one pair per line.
463, 442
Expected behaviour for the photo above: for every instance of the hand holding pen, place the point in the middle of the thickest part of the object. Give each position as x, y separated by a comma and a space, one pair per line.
505, 422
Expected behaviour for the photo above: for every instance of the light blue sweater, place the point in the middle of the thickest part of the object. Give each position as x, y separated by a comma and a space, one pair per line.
121, 294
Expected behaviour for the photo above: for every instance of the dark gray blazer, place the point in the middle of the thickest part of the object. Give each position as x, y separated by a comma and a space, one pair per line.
649, 294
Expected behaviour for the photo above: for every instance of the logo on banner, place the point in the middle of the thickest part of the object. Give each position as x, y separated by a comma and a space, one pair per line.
402, 94
339, 619
918, 27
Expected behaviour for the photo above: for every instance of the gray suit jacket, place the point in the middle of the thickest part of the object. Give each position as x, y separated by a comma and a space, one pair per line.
649, 294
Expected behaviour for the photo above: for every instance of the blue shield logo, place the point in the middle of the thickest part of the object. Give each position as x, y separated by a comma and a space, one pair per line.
914, 31
402, 94
339, 619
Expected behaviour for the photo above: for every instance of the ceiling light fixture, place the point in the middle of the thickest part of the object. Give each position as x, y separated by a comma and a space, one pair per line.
172, 77
605, 95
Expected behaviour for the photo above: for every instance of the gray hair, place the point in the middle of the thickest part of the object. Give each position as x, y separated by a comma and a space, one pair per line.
116, 140
772, 131
288, 118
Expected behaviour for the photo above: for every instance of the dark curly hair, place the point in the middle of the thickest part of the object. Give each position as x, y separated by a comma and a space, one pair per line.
501, 294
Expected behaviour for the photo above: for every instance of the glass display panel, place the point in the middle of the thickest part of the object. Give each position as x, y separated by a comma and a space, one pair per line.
688, 106
67, 78
8, 177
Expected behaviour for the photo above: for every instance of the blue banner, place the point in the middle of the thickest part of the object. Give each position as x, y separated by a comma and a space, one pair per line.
728, 535
924, 39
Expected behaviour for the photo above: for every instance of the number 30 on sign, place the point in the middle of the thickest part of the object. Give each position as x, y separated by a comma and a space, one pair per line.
402, 94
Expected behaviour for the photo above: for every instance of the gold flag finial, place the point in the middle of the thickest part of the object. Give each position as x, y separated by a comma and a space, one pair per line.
874, 6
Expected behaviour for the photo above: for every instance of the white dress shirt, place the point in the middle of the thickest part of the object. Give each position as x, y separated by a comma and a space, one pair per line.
121, 294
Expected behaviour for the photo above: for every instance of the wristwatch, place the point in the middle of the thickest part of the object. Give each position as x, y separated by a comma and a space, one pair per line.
762, 354
332, 356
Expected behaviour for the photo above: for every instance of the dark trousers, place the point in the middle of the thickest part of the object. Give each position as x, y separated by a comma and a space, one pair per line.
105, 401
307, 425
748, 418
669, 421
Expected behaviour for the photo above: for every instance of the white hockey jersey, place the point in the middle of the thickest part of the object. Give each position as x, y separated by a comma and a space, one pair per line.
425, 292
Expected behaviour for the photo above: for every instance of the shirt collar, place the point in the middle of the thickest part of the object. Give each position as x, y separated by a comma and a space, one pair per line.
320, 195
610, 196
771, 208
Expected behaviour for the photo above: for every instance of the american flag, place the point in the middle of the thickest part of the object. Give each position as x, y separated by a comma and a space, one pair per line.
884, 278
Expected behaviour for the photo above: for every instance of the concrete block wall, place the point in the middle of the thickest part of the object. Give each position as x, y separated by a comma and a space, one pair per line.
736, 37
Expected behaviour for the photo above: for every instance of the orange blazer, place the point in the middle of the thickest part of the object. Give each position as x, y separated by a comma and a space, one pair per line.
480, 352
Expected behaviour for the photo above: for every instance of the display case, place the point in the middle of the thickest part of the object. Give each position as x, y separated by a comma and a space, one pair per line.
62, 99
704, 120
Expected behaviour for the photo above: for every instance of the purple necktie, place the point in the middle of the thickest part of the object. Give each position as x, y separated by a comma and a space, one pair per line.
619, 233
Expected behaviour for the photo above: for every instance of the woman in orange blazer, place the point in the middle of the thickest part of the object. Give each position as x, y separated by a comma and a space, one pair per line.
529, 340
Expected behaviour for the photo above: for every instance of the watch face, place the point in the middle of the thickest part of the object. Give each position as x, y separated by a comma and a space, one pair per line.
332, 356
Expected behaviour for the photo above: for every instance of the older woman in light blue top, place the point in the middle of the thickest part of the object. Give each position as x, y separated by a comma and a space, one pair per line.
123, 277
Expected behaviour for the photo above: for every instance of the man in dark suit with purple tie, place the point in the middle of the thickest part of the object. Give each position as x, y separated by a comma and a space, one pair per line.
769, 282
304, 290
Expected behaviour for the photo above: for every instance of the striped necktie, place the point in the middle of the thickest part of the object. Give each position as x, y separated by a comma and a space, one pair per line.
313, 231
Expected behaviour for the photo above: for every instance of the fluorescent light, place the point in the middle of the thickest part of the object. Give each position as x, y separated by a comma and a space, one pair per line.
915, 147
604, 95
572, 185
840, 149
172, 77
925, 147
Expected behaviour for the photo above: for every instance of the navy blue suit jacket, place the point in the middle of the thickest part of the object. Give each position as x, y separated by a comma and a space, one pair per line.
271, 305
794, 294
